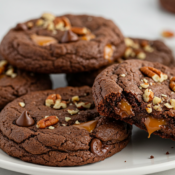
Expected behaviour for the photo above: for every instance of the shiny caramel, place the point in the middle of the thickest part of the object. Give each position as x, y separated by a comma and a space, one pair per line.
124, 109
153, 124
88, 37
89, 126
43, 40
108, 52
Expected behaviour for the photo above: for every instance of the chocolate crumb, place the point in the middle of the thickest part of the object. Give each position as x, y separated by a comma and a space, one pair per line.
151, 157
125, 161
172, 147
167, 153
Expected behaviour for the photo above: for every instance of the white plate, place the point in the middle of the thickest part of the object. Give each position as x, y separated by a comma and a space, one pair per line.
136, 155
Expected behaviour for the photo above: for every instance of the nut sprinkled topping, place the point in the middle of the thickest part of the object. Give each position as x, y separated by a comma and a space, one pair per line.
144, 85
48, 16
46, 122
3, 63
148, 48
10, 72
82, 105
75, 98
52, 99
72, 112
141, 55
39, 22
168, 105
172, 101
77, 122
108, 52
51, 127
128, 52
157, 108
22, 104
129, 42
67, 119
145, 80
148, 95
149, 110
172, 83
163, 95
156, 100
59, 105
153, 73
30, 24
122, 75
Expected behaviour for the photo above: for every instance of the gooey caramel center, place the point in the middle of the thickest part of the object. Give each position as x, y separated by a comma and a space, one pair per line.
153, 124
124, 109
43, 40
89, 126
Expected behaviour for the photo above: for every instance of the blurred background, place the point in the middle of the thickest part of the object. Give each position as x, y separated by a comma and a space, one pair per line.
135, 18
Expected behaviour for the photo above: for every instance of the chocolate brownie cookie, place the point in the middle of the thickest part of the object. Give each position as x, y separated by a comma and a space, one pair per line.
64, 44
168, 5
148, 50
60, 127
140, 93
15, 83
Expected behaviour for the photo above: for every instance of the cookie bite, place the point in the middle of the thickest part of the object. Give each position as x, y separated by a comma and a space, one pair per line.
60, 127
15, 82
139, 49
140, 93
63, 44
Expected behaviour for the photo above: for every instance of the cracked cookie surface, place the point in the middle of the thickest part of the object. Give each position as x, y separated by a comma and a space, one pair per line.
147, 50
71, 53
65, 143
140, 93
14, 85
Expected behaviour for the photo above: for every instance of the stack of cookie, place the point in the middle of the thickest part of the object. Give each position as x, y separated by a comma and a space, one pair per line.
65, 126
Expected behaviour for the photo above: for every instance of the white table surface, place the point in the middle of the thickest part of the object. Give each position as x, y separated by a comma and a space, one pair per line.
140, 18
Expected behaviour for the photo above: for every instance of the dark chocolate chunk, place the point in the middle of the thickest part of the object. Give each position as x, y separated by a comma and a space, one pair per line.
68, 37
21, 26
25, 120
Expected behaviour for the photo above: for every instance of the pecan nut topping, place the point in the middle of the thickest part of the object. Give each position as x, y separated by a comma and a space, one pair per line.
49, 121
172, 84
154, 73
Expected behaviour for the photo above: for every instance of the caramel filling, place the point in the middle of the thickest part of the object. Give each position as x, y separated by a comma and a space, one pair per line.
89, 126
124, 109
108, 52
43, 40
153, 124
88, 37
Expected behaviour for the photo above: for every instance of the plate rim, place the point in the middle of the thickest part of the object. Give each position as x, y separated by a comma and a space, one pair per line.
147, 169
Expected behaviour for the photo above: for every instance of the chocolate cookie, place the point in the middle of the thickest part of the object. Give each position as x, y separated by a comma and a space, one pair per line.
64, 44
140, 93
168, 5
60, 128
148, 50
15, 83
